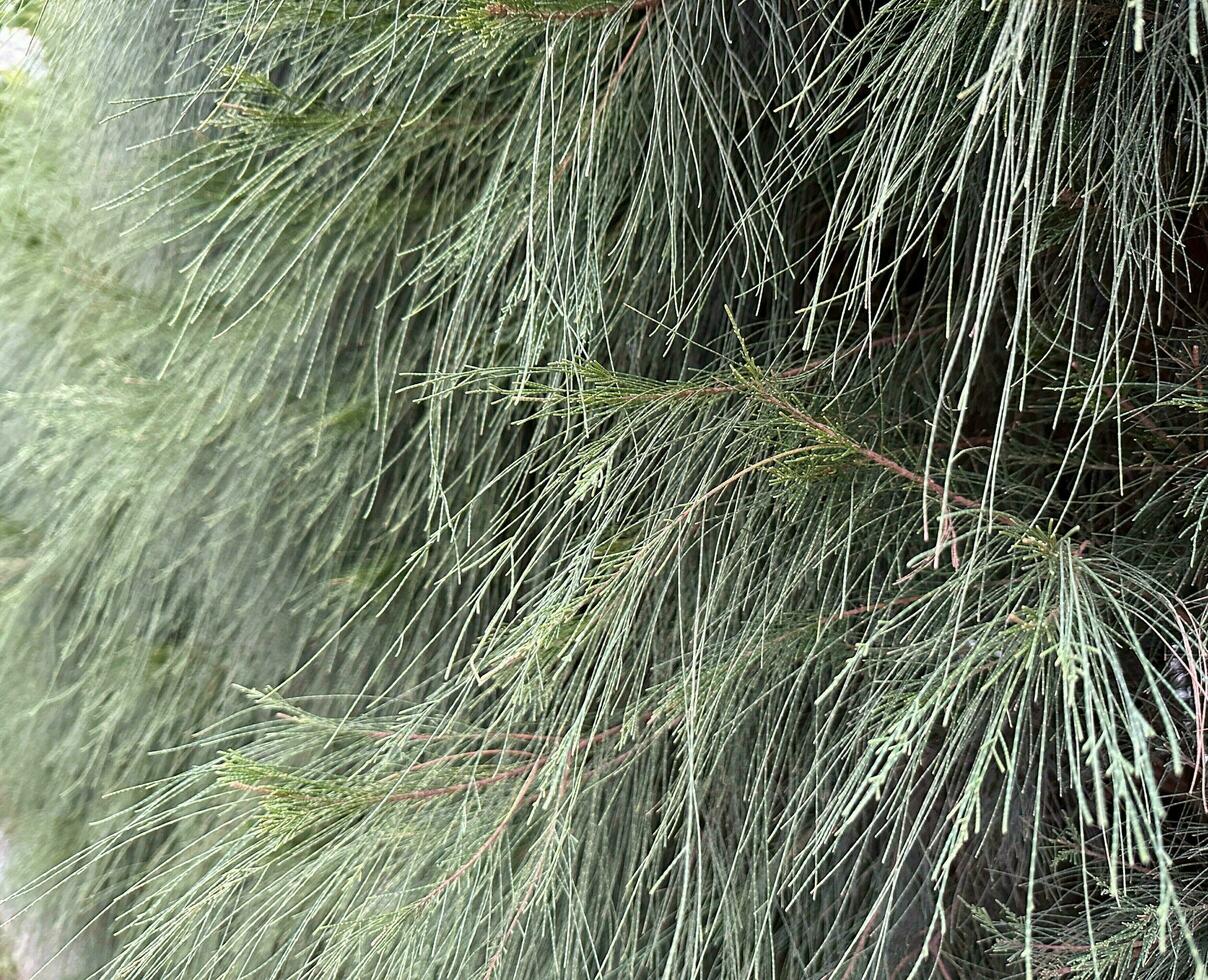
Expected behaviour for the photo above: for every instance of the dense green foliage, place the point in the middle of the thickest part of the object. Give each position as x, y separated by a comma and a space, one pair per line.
574, 489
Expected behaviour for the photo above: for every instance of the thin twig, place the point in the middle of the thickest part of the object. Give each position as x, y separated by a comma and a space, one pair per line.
486, 845
434, 792
613, 80
514, 920
879, 459
1148, 423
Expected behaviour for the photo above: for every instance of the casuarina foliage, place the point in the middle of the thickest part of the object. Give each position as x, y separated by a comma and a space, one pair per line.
599, 489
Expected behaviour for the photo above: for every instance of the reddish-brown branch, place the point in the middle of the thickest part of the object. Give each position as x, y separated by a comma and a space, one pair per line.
881, 460
1199, 385
514, 920
936, 948
486, 845
615, 78
830, 434
474, 784
434, 792
862, 941
471, 754
447, 736
1139, 414
523, 798
821, 428
855, 611
1148, 423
